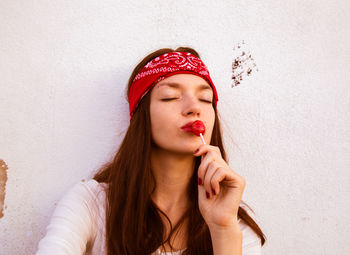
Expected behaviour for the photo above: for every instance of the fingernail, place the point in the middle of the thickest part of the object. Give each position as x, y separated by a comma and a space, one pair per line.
200, 181
196, 151
207, 194
213, 191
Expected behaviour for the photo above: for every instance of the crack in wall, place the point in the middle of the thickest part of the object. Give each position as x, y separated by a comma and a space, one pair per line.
3, 180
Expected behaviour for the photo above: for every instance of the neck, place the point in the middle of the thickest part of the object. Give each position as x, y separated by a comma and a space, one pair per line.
172, 173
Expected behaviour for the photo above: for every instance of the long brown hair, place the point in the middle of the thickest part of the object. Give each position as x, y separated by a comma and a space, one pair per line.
133, 222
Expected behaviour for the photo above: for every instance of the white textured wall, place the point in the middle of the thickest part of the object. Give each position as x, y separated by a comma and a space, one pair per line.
64, 66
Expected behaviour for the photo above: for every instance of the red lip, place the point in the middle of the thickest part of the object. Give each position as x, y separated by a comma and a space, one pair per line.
189, 124
187, 127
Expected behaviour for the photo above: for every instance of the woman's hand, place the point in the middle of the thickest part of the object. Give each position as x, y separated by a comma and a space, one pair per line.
220, 189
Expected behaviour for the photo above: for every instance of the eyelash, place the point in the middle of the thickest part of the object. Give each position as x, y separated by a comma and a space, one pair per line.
206, 101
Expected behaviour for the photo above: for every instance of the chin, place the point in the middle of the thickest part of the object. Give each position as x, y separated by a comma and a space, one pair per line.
182, 146
183, 150
189, 149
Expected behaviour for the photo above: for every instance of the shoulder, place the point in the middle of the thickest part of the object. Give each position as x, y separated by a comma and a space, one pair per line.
250, 239
89, 191
90, 188
75, 220
88, 194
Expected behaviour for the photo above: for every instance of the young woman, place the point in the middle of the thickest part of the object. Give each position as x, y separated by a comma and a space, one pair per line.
167, 190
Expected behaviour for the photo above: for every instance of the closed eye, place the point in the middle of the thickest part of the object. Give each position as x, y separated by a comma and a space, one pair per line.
203, 100
168, 99
206, 101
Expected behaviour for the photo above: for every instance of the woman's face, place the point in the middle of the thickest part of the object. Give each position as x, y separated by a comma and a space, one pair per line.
176, 101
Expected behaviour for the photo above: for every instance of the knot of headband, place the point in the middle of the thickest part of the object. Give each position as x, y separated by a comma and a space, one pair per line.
164, 66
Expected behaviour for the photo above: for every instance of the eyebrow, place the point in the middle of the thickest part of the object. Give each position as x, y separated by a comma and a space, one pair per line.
177, 85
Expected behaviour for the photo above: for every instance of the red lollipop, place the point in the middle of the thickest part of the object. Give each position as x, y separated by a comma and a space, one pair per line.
198, 127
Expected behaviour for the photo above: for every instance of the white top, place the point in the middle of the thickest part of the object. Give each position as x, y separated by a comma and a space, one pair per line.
77, 225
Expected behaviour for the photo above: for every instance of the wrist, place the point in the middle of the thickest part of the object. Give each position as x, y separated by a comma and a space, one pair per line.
226, 240
232, 225
229, 230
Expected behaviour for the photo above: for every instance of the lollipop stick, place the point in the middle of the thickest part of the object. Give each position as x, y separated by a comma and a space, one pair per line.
202, 138
202, 141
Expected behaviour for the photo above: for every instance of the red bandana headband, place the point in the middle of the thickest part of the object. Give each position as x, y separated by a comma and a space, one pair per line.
164, 66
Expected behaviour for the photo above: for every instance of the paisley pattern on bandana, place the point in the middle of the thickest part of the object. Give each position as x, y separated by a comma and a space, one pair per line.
164, 66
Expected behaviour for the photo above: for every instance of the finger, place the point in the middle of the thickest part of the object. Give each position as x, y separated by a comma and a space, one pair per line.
206, 159
235, 180
218, 176
212, 168
205, 148
201, 193
196, 152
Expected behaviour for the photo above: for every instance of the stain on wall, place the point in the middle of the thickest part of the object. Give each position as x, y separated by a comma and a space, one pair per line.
3, 180
243, 64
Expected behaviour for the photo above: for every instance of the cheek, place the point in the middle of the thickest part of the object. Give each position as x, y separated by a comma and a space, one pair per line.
210, 122
159, 122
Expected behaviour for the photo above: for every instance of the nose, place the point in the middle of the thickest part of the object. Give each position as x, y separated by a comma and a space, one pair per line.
191, 107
